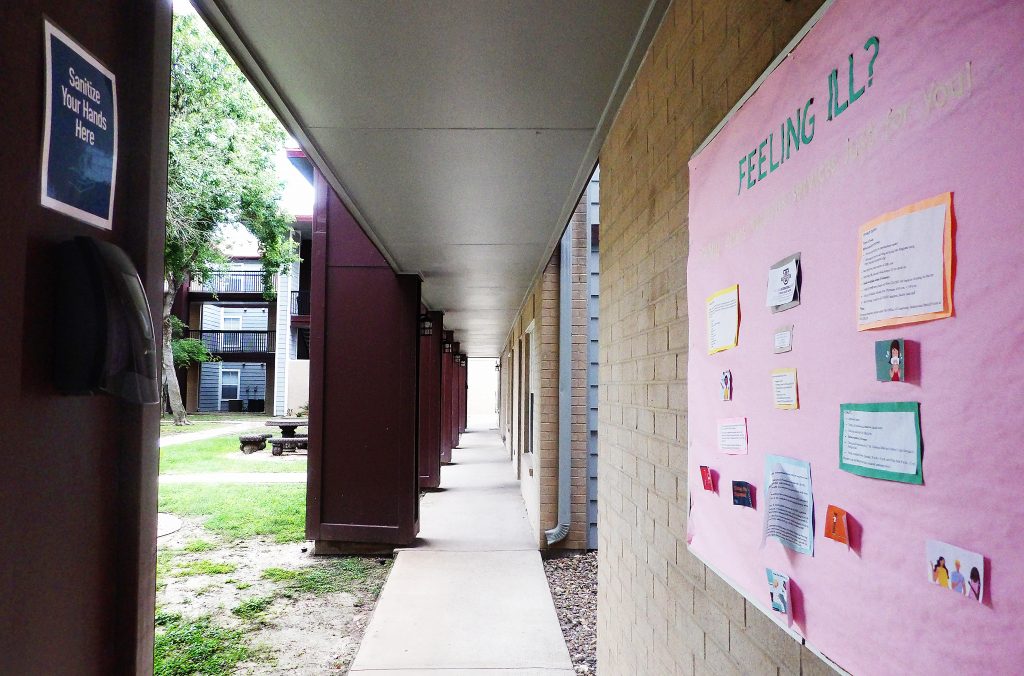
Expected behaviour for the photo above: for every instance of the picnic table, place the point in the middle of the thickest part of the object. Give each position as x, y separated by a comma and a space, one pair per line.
287, 425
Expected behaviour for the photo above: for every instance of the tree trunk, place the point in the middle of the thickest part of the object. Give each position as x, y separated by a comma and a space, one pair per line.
169, 376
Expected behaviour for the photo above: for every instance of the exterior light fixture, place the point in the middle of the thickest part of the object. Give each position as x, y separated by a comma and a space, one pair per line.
426, 325
497, 366
447, 347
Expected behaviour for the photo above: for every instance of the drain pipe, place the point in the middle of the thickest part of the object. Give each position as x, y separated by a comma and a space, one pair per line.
559, 532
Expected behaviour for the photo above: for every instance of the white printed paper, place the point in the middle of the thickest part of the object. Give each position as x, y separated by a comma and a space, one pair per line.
783, 339
789, 514
880, 440
732, 436
782, 284
901, 266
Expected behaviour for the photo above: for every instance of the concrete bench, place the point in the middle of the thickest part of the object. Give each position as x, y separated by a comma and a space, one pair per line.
279, 445
250, 443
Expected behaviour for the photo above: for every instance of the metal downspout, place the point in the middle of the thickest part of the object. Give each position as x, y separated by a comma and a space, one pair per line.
560, 531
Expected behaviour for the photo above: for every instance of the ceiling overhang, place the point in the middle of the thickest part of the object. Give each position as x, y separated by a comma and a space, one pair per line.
459, 133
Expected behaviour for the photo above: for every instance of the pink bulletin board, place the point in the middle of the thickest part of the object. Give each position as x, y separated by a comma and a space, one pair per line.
944, 114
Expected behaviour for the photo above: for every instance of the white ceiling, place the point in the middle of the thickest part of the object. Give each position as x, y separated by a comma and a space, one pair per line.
459, 132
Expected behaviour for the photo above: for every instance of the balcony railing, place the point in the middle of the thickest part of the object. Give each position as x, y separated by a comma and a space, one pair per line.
300, 303
234, 281
251, 342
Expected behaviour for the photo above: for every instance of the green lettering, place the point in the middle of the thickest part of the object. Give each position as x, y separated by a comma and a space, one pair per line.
832, 86
839, 107
805, 120
854, 95
760, 161
750, 169
791, 134
742, 162
772, 164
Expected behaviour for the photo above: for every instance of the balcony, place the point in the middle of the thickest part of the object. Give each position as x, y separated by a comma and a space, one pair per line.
236, 342
300, 303
230, 282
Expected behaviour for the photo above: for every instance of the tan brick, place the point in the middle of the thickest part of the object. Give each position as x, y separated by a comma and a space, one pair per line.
812, 665
727, 598
772, 639
711, 618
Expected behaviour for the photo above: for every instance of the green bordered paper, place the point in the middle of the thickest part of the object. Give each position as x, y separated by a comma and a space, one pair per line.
881, 441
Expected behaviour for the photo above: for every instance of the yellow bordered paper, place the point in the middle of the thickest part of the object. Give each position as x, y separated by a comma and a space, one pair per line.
723, 319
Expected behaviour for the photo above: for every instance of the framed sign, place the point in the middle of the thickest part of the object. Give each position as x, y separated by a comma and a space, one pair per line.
79, 165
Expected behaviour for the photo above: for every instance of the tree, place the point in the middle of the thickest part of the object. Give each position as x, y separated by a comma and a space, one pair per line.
220, 172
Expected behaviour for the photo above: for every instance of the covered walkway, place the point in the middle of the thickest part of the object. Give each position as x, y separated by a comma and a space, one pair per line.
471, 597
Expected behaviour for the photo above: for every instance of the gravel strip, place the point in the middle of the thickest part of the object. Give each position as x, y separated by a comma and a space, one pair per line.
573, 583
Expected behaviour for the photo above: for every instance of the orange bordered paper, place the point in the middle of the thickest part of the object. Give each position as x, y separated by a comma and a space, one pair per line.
905, 265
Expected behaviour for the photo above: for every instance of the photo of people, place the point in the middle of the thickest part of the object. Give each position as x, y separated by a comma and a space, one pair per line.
890, 361
958, 570
726, 384
778, 590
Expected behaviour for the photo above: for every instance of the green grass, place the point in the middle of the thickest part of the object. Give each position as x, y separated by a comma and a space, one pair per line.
185, 647
204, 567
221, 454
197, 546
169, 429
242, 511
253, 609
325, 578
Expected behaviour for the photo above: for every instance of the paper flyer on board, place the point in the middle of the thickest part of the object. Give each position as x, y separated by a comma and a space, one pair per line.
784, 284
723, 310
905, 265
789, 515
882, 441
783, 339
732, 436
784, 392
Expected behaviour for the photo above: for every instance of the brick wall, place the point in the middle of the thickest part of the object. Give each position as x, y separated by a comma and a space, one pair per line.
579, 524
660, 610
540, 491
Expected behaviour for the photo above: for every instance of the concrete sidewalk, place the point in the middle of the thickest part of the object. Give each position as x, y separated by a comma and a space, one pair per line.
472, 597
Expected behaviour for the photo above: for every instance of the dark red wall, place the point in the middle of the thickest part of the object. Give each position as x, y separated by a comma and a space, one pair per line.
447, 391
78, 486
430, 405
453, 412
363, 480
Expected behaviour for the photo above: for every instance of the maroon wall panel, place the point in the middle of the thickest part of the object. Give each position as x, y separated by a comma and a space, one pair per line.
446, 402
363, 481
453, 412
78, 488
430, 405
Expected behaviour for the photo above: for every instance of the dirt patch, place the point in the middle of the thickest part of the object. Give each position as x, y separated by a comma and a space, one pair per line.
297, 631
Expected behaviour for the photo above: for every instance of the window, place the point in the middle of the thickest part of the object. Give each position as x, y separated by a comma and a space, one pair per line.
229, 382
232, 324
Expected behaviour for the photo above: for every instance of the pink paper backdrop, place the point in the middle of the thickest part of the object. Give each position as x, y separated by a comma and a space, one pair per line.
871, 609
